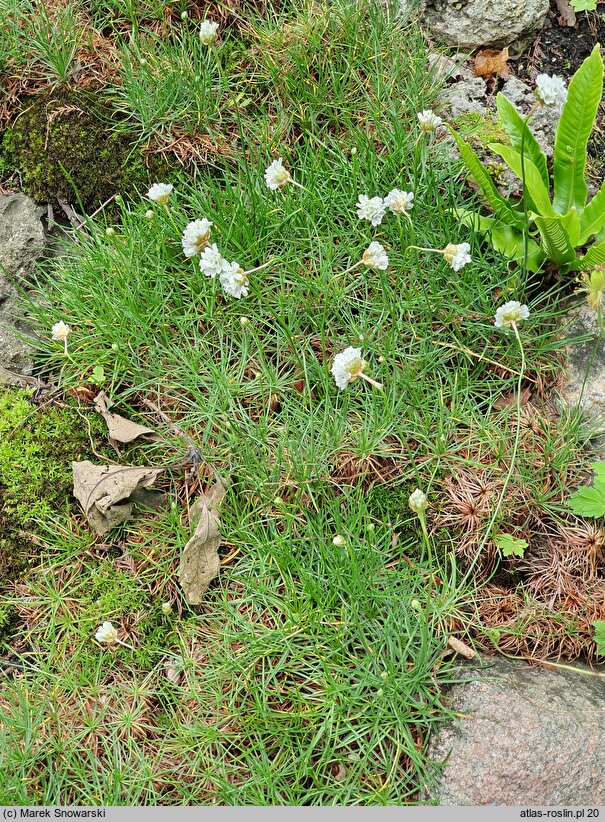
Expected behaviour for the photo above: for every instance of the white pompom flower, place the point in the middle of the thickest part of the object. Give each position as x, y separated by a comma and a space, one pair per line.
418, 501
428, 120
399, 202
375, 257
196, 237
234, 280
551, 91
212, 261
511, 313
277, 175
348, 366
371, 209
106, 634
457, 255
160, 193
208, 32
60, 331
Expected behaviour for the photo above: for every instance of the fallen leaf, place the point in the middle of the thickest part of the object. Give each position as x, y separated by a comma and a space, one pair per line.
461, 647
119, 429
492, 63
567, 16
510, 398
105, 491
200, 561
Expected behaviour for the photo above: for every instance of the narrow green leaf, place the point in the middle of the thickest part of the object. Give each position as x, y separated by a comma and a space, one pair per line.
587, 502
521, 135
499, 204
535, 190
573, 131
599, 636
555, 239
592, 219
594, 256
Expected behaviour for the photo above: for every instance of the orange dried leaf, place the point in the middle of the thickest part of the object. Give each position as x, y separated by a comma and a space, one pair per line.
492, 63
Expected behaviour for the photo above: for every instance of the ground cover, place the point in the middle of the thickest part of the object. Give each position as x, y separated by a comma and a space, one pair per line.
313, 671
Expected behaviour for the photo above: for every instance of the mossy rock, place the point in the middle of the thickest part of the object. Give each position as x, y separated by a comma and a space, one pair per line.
62, 142
37, 446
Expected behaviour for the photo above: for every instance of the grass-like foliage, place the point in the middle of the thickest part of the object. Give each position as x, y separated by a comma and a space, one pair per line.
311, 674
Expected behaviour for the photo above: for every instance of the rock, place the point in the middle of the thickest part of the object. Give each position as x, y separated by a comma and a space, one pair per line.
469, 25
579, 388
22, 242
526, 736
22, 238
464, 97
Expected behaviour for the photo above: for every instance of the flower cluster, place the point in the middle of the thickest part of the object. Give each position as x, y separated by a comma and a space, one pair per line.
232, 276
550, 91
373, 209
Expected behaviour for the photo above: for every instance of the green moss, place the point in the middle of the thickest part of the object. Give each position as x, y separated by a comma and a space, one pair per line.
63, 141
37, 446
480, 130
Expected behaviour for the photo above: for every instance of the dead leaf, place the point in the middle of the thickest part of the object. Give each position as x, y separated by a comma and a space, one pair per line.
105, 491
567, 16
119, 429
492, 63
461, 647
510, 399
200, 561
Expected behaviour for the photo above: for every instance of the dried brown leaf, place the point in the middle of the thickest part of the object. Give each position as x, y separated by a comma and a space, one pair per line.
105, 491
119, 429
200, 561
461, 647
492, 63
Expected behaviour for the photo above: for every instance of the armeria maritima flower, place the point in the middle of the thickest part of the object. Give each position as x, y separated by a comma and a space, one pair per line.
428, 120
277, 175
106, 634
457, 255
370, 209
196, 237
212, 261
510, 314
375, 257
348, 366
60, 331
551, 91
399, 202
234, 280
418, 501
160, 192
208, 32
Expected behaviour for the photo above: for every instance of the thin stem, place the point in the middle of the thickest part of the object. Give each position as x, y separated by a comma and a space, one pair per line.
425, 534
370, 380
347, 271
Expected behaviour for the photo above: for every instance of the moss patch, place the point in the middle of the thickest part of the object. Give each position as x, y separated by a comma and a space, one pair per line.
36, 450
63, 141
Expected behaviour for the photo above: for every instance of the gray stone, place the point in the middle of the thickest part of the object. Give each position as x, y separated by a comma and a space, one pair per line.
525, 736
469, 25
584, 383
22, 238
22, 242
464, 97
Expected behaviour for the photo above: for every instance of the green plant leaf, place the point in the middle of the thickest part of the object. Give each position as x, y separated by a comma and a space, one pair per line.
474, 220
509, 545
592, 219
499, 204
509, 242
584, 5
587, 502
594, 256
599, 636
555, 239
573, 131
535, 190
521, 136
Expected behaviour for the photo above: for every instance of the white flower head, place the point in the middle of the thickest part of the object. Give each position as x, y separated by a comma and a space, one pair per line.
60, 331
196, 237
234, 280
370, 209
160, 192
375, 257
457, 255
428, 120
551, 91
339, 541
510, 313
277, 175
418, 501
212, 261
208, 32
150, 214
106, 634
347, 366
400, 202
